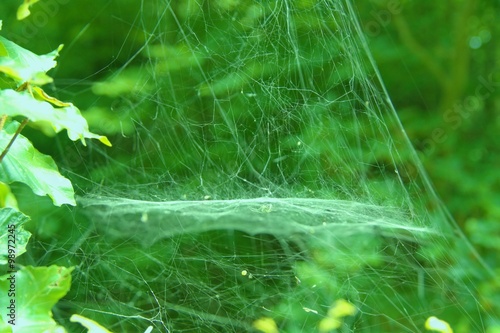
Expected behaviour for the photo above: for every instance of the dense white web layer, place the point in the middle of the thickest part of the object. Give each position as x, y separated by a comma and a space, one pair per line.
149, 222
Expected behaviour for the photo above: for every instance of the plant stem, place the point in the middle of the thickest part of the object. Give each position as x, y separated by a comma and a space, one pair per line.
19, 129
3, 119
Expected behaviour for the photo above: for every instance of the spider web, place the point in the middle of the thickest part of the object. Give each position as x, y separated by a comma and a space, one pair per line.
259, 170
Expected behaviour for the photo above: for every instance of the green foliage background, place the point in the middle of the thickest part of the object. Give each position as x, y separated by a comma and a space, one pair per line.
425, 57
431, 71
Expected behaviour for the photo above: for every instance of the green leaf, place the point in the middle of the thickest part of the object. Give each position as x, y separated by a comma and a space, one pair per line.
25, 66
37, 290
94, 327
13, 238
3, 50
23, 11
90, 325
16, 103
7, 199
23, 163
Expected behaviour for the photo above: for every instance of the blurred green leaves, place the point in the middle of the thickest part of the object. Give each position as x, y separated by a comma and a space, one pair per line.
485, 233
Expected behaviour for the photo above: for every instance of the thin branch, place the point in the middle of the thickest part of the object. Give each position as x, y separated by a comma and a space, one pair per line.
19, 129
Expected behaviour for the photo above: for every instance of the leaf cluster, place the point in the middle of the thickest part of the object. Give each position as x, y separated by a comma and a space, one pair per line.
33, 291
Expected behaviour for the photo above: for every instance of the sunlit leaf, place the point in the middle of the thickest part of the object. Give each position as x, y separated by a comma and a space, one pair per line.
23, 163
13, 238
23, 11
94, 327
7, 198
25, 66
90, 325
38, 289
266, 325
437, 325
329, 324
68, 117
342, 308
